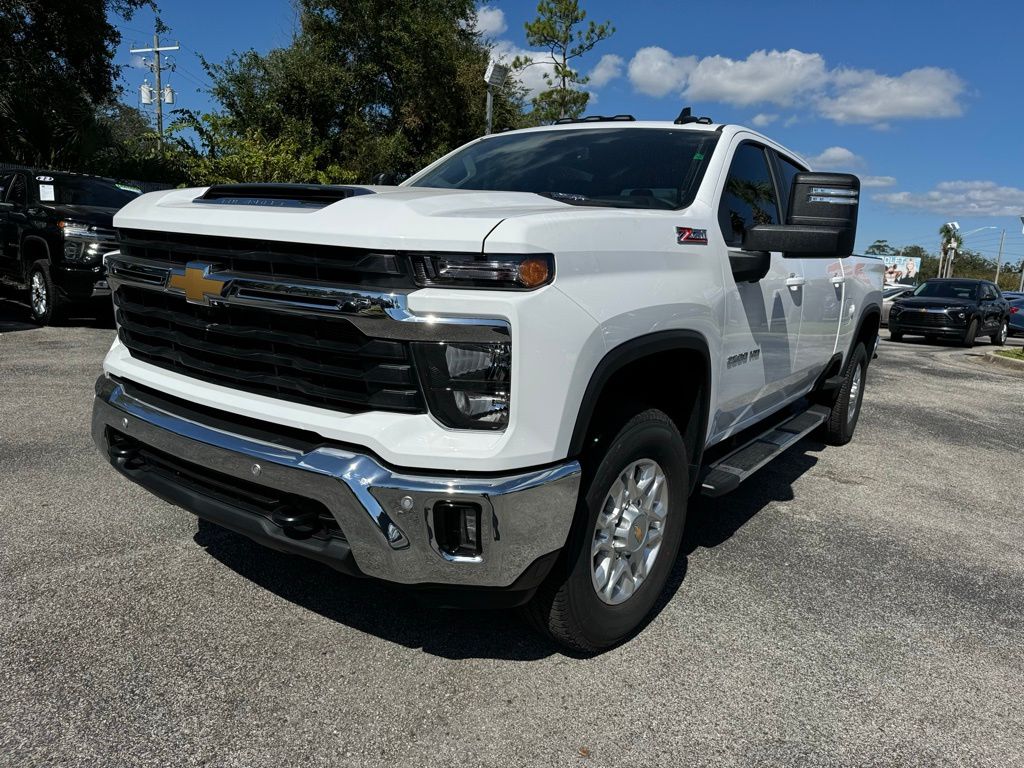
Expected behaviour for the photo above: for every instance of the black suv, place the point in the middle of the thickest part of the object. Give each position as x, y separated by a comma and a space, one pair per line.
953, 308
54, 230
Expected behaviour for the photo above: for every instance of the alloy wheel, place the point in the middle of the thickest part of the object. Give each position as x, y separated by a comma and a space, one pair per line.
40, 296
629, 531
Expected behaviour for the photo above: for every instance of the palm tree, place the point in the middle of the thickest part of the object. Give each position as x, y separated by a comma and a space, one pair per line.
951, 243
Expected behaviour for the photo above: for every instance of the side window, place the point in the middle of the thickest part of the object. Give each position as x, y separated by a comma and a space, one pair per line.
990, 292
787, 171
5, 182
18, 193
749, 194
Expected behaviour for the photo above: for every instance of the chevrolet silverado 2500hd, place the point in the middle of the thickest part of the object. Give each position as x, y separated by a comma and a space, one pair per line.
503, 378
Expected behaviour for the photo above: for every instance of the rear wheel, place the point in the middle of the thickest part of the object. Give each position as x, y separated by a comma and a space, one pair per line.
625, 541
999, 337
842, 419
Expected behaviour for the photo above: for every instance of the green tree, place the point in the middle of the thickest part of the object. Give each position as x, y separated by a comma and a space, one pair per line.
881, 248
558, 29
951, 240
365, 86
57, 75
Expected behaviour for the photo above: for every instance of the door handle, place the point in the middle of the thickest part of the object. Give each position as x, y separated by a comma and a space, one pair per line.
794, 283
838, 280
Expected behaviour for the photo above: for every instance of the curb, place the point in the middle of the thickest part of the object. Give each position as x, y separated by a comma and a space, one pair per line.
1008, 363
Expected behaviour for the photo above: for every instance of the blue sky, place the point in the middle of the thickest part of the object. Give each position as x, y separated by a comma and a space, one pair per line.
924, 100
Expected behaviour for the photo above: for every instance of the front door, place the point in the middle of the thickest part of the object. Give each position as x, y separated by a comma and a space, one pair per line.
763, 319
12, 217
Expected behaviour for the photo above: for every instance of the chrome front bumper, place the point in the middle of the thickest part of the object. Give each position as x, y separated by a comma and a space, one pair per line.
524, 516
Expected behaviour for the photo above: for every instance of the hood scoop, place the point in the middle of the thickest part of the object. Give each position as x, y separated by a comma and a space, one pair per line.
280, 195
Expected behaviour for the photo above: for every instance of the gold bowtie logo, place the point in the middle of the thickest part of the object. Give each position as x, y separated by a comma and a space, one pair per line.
638, 531
197, 284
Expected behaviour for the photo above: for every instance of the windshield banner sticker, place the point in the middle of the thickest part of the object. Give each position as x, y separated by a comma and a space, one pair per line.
46, 193
690, 236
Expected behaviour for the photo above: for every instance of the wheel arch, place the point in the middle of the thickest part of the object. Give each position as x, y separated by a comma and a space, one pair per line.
686, 399
866, 333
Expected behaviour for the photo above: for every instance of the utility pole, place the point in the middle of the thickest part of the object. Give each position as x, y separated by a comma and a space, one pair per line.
157, 68
999, 261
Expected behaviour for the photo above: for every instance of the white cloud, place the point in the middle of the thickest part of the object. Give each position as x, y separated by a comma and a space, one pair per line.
656, 72
490, 21
803, 80
764, 76
608, 68
961, 198
865, 96
834, 159
877, 181
763, 119
531, 77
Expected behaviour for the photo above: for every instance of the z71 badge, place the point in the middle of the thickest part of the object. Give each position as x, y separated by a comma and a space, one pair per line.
690, 236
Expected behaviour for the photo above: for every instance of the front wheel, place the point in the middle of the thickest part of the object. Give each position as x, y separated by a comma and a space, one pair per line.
625, 540
999, 337
971, 334
44, 305
842, 419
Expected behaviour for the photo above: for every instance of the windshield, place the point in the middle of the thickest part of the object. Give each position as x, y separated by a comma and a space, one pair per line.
625, 167
944, 290
895, 292
65, 190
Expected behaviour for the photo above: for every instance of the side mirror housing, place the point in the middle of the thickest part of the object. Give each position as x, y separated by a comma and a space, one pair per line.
822, 220
389, 178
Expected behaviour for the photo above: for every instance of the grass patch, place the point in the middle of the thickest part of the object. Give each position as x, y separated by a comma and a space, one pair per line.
1013, 354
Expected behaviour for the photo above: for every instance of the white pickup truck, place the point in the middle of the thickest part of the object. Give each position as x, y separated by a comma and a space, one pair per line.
504, 378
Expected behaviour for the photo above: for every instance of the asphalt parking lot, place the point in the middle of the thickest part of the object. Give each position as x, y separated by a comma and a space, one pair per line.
856, 606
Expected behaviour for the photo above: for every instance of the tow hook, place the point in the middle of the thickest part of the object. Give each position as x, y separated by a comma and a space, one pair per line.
296, 522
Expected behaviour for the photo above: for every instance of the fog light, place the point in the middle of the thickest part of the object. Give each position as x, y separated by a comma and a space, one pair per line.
466, 385
457, 528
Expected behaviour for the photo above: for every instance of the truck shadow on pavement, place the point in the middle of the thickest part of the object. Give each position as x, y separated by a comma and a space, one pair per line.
14, 317
397, 615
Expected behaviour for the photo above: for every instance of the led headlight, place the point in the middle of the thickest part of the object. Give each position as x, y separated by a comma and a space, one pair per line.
81, 243
521, 272
467, 386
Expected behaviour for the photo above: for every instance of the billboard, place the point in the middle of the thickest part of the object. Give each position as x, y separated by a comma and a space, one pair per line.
901, 269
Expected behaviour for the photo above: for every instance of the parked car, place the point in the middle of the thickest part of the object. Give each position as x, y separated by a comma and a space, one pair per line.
952, 308
1017, 315
889, 295
503, 378
55, 229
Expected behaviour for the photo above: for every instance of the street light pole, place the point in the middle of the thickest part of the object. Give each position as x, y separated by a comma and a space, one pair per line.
999, 259
495, 78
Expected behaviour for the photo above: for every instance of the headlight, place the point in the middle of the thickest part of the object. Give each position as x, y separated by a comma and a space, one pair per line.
81, 243
469, 270
466, 385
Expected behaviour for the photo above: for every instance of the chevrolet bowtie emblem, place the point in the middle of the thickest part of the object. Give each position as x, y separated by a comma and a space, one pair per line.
638, 531
197, 284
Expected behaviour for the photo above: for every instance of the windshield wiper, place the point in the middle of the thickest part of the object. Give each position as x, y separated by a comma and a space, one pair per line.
575, 199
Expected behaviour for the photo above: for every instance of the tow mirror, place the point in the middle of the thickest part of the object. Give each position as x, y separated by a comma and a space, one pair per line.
389, 178
822, 220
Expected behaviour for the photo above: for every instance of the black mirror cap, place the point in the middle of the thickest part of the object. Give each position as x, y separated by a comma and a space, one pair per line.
389, 178
827, 200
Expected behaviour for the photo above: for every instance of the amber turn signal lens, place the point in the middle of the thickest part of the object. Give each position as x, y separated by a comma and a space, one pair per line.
533, 272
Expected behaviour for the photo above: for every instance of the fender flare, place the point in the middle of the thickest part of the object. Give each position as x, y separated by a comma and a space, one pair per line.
865, 314
631, 351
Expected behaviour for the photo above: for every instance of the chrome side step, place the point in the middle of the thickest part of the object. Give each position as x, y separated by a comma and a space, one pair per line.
728, 472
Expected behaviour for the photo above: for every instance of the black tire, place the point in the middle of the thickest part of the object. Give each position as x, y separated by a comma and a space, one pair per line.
44, 304
970, 334
895, 336
999, 337
839, 427
567, 606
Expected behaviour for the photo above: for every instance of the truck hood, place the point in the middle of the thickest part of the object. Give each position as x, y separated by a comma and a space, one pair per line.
94, 215
396, 218
932, 302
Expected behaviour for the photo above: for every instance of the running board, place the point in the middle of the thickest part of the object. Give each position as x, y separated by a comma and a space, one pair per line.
727, 473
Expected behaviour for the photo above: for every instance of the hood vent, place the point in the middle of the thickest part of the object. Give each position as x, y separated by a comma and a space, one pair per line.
280, 195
